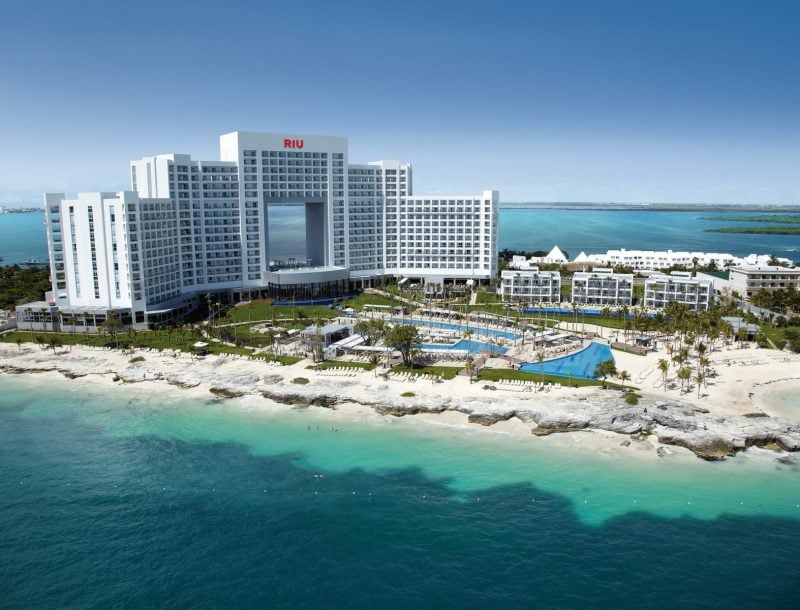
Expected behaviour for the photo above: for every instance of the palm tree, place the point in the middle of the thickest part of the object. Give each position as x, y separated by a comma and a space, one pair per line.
54, 342
699, 377
468, 335
663, 366
374, 360
18, 341
605, 369
29, 315
623, 377
741, 334
540, 360
684, 374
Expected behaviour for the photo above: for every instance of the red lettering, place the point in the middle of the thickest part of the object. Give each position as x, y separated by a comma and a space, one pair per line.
288, 143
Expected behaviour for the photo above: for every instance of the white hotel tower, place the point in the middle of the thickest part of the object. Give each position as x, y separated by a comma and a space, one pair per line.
189, 228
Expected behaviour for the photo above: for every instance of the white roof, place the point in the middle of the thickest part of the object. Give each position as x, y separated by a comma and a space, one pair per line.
557, 254
581, 258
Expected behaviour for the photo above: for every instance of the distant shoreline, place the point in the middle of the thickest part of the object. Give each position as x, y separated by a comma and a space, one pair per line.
653, 207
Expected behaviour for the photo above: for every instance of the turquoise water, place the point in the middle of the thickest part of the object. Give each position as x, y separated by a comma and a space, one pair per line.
596, 231
478, 330
580, 364
116, 496
22, 235
470, 345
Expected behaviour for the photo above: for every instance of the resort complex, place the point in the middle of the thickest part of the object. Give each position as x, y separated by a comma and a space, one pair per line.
678, 287
531, 286
191, 228
602, 287
653, 260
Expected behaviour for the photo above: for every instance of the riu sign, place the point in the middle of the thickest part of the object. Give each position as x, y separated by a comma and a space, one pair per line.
289, 143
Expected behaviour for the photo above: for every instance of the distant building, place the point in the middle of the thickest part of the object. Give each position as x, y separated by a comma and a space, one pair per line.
679, 287
530, 285
653, 260
602, 287
748, 280
554, 257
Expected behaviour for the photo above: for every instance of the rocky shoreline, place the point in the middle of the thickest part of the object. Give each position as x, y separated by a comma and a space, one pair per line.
708, 435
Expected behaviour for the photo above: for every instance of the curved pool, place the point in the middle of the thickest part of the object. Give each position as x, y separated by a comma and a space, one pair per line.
580, 365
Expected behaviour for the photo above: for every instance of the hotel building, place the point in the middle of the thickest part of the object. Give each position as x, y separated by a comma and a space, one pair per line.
653, 260
602, 287
530, 286
190, 228
679, 287
748, 280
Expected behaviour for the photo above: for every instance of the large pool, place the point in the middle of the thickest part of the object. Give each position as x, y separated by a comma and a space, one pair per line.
478, 330
474, 347
590, 312
580, 365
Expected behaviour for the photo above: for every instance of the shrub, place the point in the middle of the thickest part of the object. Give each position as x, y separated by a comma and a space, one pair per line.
300, 380
137, 359
631, 398
407, 394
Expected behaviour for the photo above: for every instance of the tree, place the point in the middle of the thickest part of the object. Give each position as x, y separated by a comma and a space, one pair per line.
741, 334
112, 325
684, 374
72, 320
362, 327
605, 369
405, 339
663, 367
699, 377
540, 360
54, 342
374, 360
18, 341
623, 377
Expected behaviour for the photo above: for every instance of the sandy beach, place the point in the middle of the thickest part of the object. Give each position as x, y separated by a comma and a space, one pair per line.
731, 413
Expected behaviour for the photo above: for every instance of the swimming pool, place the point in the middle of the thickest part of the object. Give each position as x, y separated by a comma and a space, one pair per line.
580, 365
590, 312
478, 330
474, 347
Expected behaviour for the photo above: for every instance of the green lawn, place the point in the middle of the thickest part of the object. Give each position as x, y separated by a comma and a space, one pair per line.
372, 299
144, 339
447, 372
777, 335
260, 311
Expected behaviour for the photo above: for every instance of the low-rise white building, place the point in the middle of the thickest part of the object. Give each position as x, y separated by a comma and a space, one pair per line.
643, 260
679, 287
554, 257
602, 287
530, 285
748, 280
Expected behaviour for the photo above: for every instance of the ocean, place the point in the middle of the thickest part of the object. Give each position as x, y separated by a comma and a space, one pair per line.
592, 230
116, 496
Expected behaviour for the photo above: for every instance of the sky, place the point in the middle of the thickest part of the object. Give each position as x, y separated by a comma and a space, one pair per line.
563, 100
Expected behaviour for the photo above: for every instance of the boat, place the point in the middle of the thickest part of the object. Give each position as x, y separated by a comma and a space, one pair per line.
34, 261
